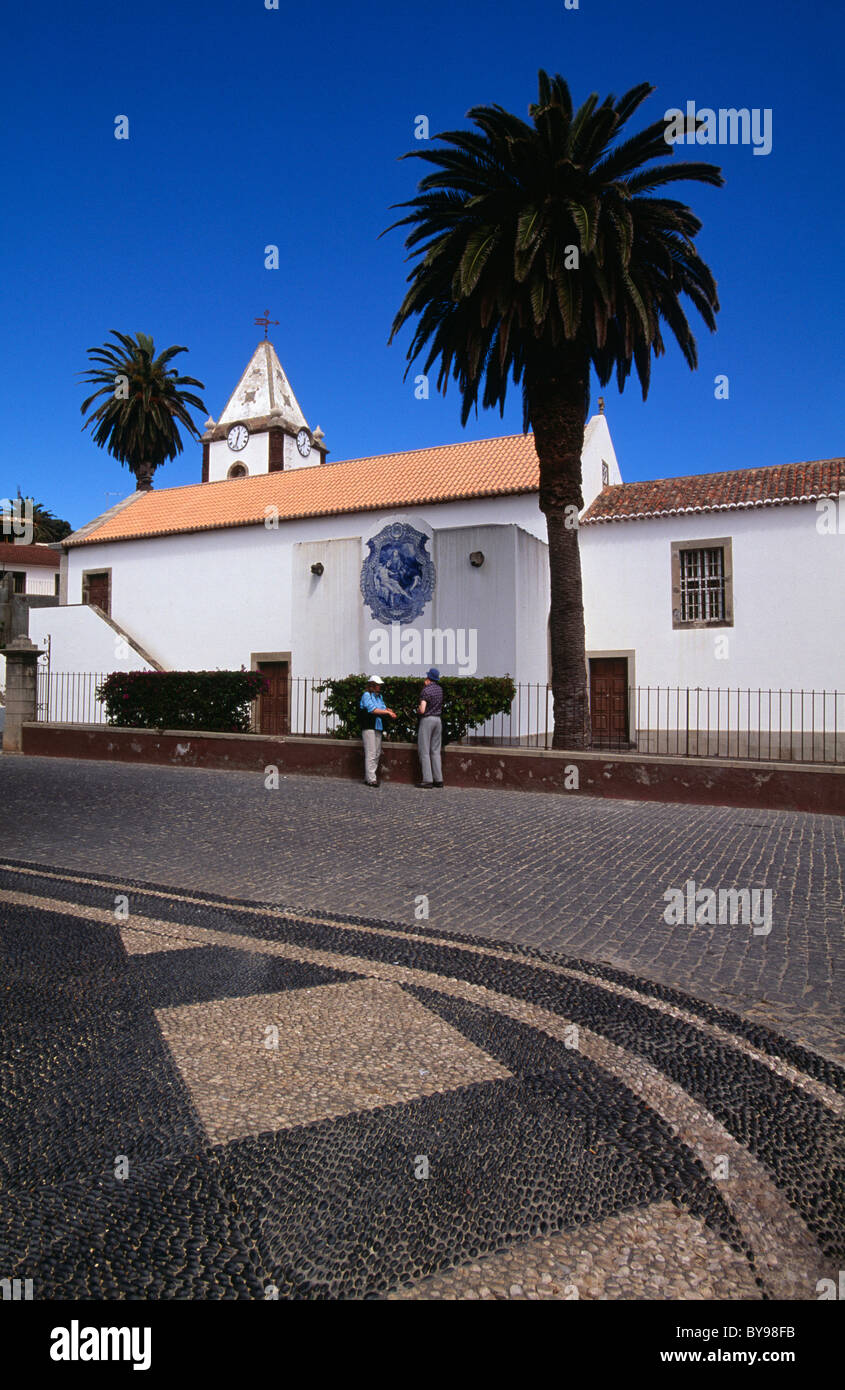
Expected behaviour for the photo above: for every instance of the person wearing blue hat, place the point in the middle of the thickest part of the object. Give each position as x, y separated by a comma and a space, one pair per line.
430, 733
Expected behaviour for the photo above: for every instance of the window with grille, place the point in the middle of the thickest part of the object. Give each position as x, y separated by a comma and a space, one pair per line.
702, 583
702, 586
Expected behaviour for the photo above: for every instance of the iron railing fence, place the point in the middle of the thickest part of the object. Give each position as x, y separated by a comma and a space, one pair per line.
692, 722
744, 723
69, 697
806, 726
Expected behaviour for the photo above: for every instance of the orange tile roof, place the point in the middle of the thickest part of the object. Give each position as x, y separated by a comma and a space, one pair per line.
718, 492
480, 468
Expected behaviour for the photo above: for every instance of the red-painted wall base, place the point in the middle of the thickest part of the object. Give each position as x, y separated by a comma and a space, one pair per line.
702, 782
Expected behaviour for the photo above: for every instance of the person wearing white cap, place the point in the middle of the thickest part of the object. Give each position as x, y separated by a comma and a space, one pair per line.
372, 707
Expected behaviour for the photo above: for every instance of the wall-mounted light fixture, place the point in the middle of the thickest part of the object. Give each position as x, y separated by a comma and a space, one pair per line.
318, 568
476, 558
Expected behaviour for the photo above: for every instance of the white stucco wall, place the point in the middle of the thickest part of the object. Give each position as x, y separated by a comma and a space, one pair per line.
81, 641
598, 449
210, 599
532, 607
788, 589
254, 456
326, 619
294, 459
477, 623
214, 598
39, 579
477, 603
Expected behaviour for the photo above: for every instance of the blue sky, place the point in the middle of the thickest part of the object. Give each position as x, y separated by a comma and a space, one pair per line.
251, 126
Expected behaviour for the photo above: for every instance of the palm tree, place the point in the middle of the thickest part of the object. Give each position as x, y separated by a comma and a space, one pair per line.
144, 401
45, 526
539, 257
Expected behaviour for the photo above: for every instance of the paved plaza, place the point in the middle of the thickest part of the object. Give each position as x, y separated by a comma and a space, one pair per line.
313, 1041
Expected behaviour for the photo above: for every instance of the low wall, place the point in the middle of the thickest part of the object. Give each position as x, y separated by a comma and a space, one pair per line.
629, 776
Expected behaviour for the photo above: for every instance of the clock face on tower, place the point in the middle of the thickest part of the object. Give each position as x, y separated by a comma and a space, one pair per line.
303, 443
237, 438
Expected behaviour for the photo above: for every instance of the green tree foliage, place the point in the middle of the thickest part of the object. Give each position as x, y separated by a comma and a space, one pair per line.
45, 526
468, 701
145, 402
545, 249
213, 701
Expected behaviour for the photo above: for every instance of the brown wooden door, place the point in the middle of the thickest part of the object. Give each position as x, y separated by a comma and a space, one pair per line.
95, 590
273, 707
609, 699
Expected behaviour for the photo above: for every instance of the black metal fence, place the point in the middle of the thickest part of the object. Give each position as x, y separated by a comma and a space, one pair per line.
68, 697
806, 726
721, 722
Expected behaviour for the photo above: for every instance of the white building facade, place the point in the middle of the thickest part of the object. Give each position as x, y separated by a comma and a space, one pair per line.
719, 602
283, 562
34, 567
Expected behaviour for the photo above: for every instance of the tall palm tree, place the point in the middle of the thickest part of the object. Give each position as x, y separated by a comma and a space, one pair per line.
541, 256
145, 402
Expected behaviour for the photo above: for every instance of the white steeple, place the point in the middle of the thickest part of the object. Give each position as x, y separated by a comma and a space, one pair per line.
262, 429
263, 391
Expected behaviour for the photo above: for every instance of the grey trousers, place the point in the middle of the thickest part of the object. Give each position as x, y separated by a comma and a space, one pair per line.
428, 747
372, 753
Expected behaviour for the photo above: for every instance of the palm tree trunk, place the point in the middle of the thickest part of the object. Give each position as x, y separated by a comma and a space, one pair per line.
558, 407
144, 477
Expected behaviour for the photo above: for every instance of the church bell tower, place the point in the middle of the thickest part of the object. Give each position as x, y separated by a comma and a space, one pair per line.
262, 429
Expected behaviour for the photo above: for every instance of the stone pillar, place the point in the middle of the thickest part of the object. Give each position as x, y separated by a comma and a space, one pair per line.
21, 690
7, 593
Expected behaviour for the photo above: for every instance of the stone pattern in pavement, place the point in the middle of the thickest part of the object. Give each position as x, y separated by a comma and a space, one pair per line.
656, 1253
578, 874
570, 1119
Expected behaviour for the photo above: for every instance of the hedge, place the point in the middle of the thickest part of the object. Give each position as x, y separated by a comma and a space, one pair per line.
213, 701
467, 702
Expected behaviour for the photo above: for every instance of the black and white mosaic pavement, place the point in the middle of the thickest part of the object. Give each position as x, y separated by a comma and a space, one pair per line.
582, 876
207, 1098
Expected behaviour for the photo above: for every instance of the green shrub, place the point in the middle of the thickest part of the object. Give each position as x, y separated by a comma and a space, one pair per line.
213, 701
467, 702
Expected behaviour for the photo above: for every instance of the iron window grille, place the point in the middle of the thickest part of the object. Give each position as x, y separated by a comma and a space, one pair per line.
702, 585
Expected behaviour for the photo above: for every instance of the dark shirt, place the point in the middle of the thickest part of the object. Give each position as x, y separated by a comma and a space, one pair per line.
433, 696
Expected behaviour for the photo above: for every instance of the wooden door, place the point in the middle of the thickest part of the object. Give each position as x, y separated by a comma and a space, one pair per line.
273, 707
95, 590
609, 700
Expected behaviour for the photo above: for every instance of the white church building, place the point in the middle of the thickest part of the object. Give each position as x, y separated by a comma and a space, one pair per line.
281, 560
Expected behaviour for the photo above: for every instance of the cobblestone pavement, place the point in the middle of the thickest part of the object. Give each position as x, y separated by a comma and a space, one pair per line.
579, 875
209, 1098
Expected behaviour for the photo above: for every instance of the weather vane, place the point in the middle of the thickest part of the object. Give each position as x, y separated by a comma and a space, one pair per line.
267, 322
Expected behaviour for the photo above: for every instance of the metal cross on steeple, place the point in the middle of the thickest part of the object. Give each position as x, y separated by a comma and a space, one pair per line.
267, 321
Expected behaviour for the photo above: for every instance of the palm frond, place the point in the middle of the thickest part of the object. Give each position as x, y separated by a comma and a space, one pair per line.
493, 228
